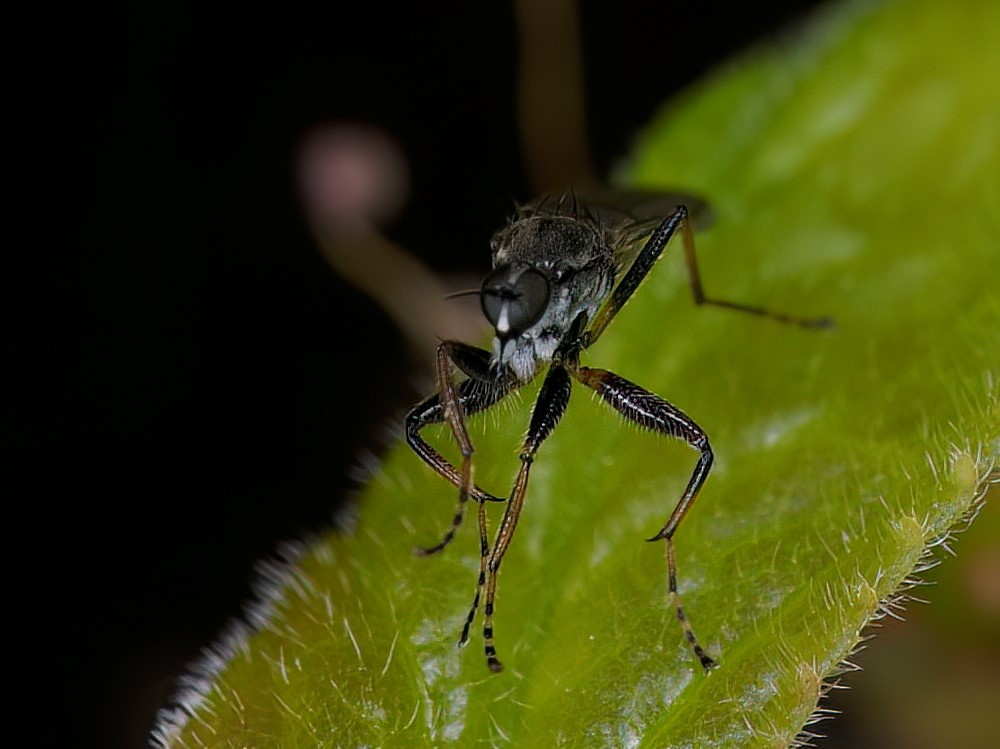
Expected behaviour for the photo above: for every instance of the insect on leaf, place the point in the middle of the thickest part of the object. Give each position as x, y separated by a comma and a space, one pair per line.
851, 173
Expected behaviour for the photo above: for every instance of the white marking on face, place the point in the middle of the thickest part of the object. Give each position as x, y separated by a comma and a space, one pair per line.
503, 324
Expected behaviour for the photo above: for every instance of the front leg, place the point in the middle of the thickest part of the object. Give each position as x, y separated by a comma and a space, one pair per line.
549, 409
451, 404
652, 412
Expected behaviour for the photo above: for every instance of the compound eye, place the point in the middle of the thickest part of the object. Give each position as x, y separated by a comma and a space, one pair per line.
514, 299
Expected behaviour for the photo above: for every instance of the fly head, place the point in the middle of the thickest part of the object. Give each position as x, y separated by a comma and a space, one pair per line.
547, 270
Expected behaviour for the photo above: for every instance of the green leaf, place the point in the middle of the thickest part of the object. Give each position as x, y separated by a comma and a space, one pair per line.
853, 172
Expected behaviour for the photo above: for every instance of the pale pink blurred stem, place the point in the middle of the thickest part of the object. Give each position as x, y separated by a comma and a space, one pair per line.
352, 178
409, 292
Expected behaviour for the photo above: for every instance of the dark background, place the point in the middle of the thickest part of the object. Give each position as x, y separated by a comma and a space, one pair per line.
187, 383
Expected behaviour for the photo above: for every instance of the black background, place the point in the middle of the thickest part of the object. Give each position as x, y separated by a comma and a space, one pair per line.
184, 376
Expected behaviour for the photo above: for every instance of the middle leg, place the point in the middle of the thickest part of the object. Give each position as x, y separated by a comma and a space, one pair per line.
549, 408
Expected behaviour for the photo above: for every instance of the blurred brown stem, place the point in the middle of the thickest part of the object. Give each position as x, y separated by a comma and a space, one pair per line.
551, 109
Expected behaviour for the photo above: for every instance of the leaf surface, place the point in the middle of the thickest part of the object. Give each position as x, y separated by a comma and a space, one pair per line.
853, 172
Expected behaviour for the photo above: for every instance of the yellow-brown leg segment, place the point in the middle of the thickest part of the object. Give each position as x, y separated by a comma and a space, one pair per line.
455, 418
677, 221
451, 404
504, 536
549, 408
694, 280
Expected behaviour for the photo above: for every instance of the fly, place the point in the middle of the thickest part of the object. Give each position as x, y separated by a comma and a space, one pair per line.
563, 267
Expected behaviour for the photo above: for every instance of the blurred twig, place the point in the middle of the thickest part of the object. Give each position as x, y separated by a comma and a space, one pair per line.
354, 179
551, 108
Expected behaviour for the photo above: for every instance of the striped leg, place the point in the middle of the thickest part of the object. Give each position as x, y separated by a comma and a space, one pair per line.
549, 408
504, 535
484, 553
652, 412
451, 404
